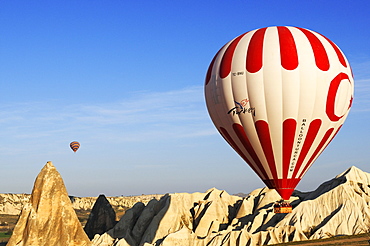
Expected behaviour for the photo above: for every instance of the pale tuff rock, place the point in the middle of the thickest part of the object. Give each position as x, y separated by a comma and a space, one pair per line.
103, 240
49, 218
342, 210
201, 214
337, 207
12, 203
182, 237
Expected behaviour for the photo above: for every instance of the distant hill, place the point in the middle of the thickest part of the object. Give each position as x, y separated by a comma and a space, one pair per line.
241, 194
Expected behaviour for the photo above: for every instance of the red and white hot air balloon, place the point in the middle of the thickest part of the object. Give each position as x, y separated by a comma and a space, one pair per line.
278, 95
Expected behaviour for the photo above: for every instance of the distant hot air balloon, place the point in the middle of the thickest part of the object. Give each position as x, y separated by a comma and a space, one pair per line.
74, 145
278, 95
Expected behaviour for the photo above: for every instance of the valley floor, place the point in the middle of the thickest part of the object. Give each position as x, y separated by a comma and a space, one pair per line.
358, 240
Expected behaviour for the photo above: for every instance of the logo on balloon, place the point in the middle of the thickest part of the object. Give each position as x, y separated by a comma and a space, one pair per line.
241, 108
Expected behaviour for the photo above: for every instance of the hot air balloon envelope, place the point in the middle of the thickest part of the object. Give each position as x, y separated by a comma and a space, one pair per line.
278, 95
74, 145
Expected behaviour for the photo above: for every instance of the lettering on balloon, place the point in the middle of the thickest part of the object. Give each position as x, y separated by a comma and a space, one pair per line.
241, 108
298, 145
237, 73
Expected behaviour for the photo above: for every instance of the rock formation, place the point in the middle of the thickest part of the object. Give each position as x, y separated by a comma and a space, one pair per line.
13, 203
49, 218
101, 219
337, 207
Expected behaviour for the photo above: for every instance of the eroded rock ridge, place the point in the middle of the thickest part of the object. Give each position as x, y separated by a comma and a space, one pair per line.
215, 218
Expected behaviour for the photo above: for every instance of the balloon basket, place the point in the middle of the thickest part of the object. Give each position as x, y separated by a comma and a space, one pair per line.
283, 207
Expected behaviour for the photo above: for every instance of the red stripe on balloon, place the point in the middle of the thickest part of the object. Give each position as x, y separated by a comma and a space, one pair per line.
288, 49
319, 148
254, 60
332, 93
289, 128
351, 71
310, 137
350, 103
226, 62
232, 143
270, 183
339, 53
285, 193
321, 57
229, 139
284, 187
239, 130
292, 183
209, 71
263, 132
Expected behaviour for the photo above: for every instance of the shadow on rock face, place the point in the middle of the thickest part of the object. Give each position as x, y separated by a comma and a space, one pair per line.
102, 218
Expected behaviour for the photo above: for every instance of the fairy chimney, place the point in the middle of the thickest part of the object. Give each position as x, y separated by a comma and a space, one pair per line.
49, 219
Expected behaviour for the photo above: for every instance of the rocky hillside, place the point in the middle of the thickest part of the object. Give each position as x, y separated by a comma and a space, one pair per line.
13, 203
340, 206
337, 207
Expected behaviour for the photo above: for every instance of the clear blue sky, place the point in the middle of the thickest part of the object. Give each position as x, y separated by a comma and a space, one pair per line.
125, 79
